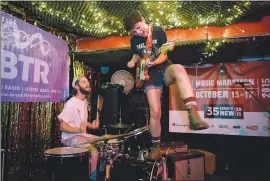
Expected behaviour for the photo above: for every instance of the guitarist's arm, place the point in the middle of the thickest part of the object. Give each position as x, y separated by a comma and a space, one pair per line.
163, 39
133, 61
161, 58
135, 58
163, 55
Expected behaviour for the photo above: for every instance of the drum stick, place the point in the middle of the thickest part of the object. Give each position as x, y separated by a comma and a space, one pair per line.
99, 105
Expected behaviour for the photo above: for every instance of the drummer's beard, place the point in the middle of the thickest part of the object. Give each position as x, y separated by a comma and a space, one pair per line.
85, 91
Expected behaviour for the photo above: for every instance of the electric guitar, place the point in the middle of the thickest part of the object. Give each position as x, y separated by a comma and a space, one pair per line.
142, 68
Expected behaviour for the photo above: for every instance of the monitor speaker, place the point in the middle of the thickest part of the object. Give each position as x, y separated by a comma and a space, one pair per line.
186, 166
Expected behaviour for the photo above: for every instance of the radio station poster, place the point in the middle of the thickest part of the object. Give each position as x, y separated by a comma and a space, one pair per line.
224, 103
34, 63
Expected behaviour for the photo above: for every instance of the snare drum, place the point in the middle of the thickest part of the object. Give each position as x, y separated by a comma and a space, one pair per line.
67, 163
140, 140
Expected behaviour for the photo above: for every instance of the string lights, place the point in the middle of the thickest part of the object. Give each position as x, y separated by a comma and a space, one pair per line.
171, 14
237, 11
101, 19
211, 47
167, 14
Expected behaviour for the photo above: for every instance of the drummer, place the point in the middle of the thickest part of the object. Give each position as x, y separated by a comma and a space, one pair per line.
74, 124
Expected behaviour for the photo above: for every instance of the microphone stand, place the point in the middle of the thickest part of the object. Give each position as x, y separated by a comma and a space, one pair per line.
120, 120
256, 99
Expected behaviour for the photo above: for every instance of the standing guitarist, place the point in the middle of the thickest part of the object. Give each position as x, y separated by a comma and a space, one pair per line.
161, 70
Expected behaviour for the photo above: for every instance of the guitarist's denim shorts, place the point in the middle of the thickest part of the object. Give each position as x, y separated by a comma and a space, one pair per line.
156, 80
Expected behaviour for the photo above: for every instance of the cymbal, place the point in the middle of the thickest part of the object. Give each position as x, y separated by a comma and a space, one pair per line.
109, 137
119, 125
106, 137
138, 131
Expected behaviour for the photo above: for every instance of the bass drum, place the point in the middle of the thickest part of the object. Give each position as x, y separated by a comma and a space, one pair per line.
130, 169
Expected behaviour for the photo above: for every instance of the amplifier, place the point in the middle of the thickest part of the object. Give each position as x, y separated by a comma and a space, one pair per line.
173, 147
186, 166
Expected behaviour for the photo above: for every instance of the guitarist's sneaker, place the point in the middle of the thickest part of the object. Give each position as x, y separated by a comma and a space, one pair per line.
155, 153
196, 122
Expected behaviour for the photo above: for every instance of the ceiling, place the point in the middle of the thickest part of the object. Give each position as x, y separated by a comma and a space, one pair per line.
99, 19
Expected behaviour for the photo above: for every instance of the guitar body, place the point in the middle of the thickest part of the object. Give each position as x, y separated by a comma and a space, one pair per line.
141, 72
142, 69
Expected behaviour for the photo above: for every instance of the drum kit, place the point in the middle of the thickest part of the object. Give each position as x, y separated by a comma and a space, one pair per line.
123, 157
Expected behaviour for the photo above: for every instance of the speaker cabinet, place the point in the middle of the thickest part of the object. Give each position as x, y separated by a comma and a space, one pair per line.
186, 166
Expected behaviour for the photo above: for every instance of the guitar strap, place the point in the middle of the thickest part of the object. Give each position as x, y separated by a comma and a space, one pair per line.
149, 41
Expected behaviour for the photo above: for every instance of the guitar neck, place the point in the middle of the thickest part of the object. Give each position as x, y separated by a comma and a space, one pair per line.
152, 57
159, 51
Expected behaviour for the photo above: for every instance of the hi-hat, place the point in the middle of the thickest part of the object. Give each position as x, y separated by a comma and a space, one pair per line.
119, 125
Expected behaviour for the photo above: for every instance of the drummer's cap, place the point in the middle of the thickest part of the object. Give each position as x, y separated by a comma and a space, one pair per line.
75, 81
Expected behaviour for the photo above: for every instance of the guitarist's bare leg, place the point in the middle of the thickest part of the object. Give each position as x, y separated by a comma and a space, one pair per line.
154, 99
176, 73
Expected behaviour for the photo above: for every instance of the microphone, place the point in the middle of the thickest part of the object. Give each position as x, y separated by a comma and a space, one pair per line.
241, 83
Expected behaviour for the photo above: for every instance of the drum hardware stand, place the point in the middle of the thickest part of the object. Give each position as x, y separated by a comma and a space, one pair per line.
105, 130
163, 164
109, 165
108, 169
2, 164
129, 128
164, 168
141, 156
120, 119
